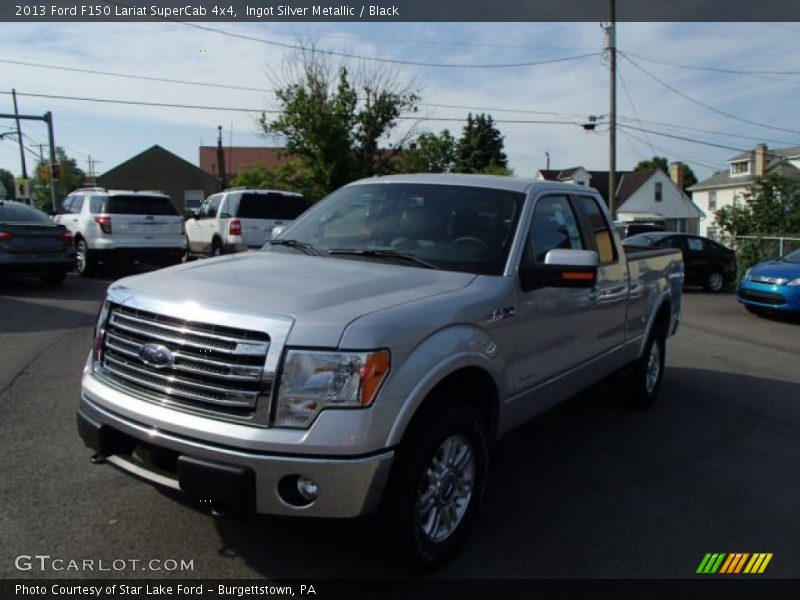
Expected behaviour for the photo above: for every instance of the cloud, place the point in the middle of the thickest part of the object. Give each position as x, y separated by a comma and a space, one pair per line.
573, 90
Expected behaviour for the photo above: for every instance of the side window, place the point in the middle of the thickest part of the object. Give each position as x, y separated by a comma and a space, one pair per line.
694, 244
96, 204
210, 206
599, 229
554, 226
672, 242
77, 205
66, 205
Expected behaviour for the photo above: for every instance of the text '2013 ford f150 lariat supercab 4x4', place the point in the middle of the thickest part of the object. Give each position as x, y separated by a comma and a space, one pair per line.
368, 356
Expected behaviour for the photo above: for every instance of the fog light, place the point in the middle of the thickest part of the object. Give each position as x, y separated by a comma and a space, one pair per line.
307, 488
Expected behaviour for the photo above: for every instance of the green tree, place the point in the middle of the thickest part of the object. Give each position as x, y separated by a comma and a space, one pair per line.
771, 208
661, 162
428, 153
480, 148
333, 122
292, 177
7, 181
71, 178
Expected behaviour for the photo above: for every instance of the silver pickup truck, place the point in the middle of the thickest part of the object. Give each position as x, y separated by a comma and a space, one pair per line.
369, 356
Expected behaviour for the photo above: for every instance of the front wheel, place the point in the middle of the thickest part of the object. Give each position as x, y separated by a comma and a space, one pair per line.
437, 483
647, 373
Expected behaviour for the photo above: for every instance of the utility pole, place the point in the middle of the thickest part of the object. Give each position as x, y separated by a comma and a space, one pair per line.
611, 49
547, 154
91, 162
19, 136
48, 118
223, 180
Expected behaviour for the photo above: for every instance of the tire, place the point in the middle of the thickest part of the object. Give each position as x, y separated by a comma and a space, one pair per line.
216, 248
647, 373
56, 278
454, 433
87, 264
715, 282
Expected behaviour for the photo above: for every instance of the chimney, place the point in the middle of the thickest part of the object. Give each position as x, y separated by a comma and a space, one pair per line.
676, 174
223, 180
761, 160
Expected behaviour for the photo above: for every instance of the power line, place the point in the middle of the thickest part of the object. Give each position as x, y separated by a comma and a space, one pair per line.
132, 76
670, 153
685, 139
711, 131
410, 63
696, 67
261, 110
703, 104
633, 106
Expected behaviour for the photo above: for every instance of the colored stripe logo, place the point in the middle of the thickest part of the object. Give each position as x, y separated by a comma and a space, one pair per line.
734, 563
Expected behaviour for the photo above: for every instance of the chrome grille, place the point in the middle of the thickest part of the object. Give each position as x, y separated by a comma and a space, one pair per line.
213, 367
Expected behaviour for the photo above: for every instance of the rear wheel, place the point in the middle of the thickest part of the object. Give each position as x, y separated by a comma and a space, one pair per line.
715, 282
216, 248
54, 278
86, 262
436, 485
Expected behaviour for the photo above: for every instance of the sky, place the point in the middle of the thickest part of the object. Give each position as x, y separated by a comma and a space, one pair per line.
758, 107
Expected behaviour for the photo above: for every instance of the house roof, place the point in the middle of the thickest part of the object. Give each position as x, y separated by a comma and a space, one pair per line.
773, 153
157, 152
630, 182
722, 179
238, 157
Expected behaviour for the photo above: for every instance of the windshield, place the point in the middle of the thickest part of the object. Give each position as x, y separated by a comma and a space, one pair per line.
793, 256
456, 228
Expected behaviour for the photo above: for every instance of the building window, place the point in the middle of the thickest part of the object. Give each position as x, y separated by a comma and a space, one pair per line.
712, 200
741, 167
737, 200
192, 198
659, 191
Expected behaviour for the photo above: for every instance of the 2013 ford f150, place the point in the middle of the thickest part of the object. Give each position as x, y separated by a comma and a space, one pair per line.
368, 356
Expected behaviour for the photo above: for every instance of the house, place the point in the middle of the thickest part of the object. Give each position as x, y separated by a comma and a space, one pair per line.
732, 186
160, 169
644, 195
238, 157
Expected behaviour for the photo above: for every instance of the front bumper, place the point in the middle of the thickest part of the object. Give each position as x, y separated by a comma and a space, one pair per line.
784, 298
161, 254
242, 479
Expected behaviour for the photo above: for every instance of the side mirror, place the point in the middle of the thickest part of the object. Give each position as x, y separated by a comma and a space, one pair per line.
561, 268
189, 214
277, 231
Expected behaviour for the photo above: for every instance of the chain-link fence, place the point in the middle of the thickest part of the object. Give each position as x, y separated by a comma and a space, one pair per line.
753, 249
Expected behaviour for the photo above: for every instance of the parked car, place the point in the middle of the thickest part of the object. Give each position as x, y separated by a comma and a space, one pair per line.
237, 220
111, 226
628, 228
706, 262
32, 244
370, 355
773, 285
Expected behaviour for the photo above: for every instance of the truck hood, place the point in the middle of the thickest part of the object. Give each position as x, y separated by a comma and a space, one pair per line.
321, 295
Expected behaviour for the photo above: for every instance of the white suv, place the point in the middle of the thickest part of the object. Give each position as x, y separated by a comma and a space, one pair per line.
114, 225
239, 219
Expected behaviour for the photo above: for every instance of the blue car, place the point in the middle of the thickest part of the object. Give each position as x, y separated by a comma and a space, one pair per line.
773, 285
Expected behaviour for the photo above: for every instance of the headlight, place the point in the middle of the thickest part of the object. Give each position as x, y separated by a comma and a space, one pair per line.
311, 381
100, 332
795, 281
747, 274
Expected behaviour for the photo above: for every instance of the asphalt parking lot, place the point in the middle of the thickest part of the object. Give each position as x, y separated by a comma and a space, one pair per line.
591, 489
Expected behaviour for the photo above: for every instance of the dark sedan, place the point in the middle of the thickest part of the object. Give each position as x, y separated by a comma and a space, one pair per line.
705, 261
32, 244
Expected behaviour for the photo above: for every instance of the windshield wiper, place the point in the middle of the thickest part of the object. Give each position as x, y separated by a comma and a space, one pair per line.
307, 248
391, 254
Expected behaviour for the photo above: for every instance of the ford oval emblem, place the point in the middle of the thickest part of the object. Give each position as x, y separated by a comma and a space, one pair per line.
156, 355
